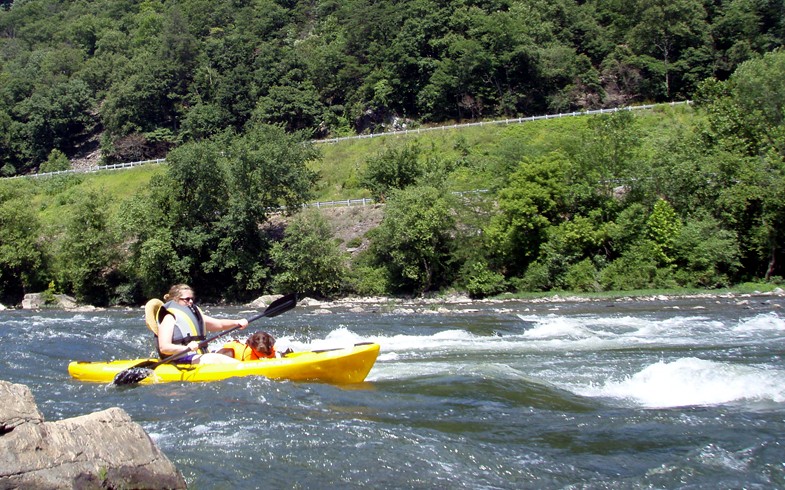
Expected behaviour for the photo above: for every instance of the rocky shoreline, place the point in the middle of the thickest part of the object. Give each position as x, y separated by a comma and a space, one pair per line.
462, 303
439, 304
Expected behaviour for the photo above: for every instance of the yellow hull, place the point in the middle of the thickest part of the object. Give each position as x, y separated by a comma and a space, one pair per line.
337, 366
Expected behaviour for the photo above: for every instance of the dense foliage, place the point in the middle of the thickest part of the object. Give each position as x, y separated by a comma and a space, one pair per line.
232, 92
609, 208
150, 75
681, 197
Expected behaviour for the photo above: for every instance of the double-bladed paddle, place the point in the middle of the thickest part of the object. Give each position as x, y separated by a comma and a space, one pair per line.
144, 369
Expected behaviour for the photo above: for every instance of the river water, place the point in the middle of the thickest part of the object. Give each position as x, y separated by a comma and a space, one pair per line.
680, 393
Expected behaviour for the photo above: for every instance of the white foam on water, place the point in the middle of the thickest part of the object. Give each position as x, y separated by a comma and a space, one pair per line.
692, 381
549, 332
563, 341
555, 326
400, 371
401, 344
763, 322
715, 456
340, 337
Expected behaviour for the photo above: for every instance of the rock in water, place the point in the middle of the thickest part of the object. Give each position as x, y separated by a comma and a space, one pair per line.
105, 449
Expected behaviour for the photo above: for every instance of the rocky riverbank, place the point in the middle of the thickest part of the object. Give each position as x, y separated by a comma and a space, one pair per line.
439, 304
464, 304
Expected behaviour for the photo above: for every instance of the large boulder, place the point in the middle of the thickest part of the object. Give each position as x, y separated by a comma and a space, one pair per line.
33, 301
264, 301
36, 301
105, 449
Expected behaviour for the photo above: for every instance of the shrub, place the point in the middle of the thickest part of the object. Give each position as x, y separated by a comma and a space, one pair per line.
635, 269
480, 281
307, 259
536, 278
366, 280
583, 277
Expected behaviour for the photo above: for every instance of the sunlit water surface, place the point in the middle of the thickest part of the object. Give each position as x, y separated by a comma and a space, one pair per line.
636, 394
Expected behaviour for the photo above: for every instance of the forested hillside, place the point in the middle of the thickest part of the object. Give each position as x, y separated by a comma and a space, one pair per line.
233, 94
142, 77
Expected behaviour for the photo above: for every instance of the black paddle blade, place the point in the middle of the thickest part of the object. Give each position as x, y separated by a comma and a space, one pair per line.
277, 307
281, 305
132, 376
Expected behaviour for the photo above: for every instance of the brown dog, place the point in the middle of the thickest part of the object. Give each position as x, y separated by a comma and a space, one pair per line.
262, 343
259, 345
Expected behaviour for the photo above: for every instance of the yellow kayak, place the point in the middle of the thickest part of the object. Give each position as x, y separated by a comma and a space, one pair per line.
337, 366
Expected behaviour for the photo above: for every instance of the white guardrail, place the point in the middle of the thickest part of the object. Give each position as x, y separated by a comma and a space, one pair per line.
92, 169
334, 204
366, 201
517, 120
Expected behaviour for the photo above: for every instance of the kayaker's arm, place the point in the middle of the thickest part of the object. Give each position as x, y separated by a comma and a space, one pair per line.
218, 324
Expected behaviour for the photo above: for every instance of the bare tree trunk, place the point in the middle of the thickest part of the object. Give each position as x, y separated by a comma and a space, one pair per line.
772, 261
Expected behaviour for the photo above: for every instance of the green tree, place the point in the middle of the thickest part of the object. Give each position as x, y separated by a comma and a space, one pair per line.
140, 100
745, 141
568, 244
307, 259
56, 162
529, 204
53, 118
744, 29
179, 49
87, 255
668, 37
414, 240
392, 169
212, 201
152, 264
296, 106
662, 228
757, 90
707, 255
6, 141
21, 257
203, 121
608, 159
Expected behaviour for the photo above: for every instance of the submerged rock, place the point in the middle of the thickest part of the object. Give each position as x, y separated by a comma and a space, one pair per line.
105, 449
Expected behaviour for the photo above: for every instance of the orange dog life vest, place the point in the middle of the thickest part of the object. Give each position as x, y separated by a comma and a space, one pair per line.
242, 352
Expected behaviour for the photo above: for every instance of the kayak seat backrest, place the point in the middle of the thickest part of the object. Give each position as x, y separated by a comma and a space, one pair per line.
154, 313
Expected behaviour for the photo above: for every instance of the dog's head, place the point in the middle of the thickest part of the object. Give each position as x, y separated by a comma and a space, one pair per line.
261, 343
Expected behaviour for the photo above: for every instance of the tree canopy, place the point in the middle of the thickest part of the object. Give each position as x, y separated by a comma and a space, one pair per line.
155, 74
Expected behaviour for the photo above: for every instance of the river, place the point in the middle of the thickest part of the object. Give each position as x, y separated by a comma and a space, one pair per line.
677, 393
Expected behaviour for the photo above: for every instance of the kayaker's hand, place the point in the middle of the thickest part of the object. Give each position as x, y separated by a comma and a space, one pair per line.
242, 323
193, 346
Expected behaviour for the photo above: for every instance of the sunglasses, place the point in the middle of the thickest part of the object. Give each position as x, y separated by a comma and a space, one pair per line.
191, 298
